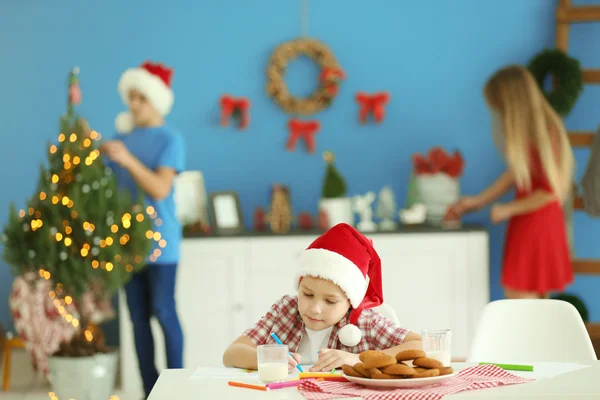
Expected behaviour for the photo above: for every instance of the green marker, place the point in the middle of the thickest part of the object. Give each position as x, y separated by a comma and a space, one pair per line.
510, 367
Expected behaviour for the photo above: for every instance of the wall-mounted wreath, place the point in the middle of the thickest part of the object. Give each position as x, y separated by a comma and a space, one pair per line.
566, 70
329, 79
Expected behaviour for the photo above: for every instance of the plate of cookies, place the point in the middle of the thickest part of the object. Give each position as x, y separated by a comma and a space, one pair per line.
409, 369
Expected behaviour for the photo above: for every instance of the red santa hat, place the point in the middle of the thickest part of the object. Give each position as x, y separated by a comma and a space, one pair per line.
153, 80
345, 257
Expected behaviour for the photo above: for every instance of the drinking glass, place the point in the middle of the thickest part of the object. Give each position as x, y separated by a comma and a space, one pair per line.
272, 362
437, 344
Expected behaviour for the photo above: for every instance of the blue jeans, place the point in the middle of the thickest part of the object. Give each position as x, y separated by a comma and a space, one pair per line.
152, 292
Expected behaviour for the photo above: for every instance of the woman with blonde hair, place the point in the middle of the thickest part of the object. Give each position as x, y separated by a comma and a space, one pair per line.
534, 143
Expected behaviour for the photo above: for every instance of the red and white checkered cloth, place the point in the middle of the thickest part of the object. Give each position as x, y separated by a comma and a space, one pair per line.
478, 377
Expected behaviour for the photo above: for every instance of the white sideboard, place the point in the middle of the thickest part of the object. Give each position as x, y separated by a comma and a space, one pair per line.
432, 279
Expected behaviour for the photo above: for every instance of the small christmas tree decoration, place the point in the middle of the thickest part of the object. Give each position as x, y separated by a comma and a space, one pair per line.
372, 104
386, 209
412, 196
362, 205
237, 108
303, 129
334, 185
280, 210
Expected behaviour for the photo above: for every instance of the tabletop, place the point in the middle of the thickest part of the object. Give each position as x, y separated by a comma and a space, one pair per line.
184, 384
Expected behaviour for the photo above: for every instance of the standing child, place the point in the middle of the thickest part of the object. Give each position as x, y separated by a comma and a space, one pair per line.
147, 154
540, 162
330, 320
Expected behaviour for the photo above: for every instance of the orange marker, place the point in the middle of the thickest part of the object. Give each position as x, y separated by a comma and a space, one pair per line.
247, 386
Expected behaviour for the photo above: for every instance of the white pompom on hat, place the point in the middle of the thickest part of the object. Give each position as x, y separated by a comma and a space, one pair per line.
154, 82
347, 258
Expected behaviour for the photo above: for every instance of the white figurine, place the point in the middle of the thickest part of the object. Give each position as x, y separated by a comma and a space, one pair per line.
362, 206
414, 215
386, 208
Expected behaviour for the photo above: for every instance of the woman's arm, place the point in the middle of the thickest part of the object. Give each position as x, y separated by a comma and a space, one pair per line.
496, 189
535, 201
241, 354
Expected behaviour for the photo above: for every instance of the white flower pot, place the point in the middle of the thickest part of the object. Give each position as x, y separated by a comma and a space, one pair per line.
338, 210
84, 378
437, 192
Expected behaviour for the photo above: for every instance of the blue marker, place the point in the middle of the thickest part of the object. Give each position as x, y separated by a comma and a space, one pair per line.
275, 338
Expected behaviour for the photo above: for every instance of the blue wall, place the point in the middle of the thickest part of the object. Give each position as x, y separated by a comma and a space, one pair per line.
433, 56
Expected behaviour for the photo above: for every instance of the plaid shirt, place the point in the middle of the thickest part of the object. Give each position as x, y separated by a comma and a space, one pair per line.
378, 332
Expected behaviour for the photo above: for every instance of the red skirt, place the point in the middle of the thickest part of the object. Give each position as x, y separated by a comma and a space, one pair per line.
536, 252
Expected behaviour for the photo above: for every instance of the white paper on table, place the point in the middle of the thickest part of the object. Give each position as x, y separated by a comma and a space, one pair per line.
548, 370
235, 373
221, 373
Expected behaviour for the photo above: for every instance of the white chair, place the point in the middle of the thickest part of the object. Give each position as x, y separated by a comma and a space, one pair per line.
513, 331
387, 312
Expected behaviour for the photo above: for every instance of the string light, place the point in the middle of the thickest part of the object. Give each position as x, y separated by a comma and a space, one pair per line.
69, 162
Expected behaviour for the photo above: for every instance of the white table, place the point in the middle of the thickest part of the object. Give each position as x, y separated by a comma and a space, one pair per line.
582, 384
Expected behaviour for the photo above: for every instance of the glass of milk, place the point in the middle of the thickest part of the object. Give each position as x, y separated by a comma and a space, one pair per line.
437, 343
272, 362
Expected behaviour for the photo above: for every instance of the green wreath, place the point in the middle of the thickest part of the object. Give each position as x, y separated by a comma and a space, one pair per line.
567, 72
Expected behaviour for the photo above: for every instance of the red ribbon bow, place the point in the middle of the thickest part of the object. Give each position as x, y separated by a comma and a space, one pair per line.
304, 129
374, 104
330, 77
239, 106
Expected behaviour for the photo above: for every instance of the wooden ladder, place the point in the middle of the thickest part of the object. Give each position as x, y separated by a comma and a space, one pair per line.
567, 14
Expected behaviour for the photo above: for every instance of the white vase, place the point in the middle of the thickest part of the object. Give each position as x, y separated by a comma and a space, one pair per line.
338, 210
84, 378
437, 192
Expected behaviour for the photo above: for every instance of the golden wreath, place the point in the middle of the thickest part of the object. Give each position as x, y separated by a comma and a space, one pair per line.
329, 79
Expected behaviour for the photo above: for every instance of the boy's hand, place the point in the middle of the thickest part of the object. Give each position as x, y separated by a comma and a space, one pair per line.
116, 151
292, 362
330, 359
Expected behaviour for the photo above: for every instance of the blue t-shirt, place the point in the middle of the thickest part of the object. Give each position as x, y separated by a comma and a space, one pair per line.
156, 147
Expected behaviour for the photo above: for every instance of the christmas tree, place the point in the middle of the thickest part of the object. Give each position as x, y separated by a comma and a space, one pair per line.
334, 185
78, 230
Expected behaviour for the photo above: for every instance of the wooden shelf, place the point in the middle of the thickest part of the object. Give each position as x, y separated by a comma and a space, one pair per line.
578, 203
581, 138
578, 14
586, 267
591, 76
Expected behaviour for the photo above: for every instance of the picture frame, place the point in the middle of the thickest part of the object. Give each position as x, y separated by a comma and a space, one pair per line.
226, 216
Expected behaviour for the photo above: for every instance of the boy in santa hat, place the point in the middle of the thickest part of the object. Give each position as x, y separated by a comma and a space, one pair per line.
331, 320
147, 154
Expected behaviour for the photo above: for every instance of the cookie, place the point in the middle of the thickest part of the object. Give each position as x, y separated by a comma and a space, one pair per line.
408, 355
446, 371
350, 371
399, 369
428, 373
362, 370
430, 363
377, 374
376, 359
